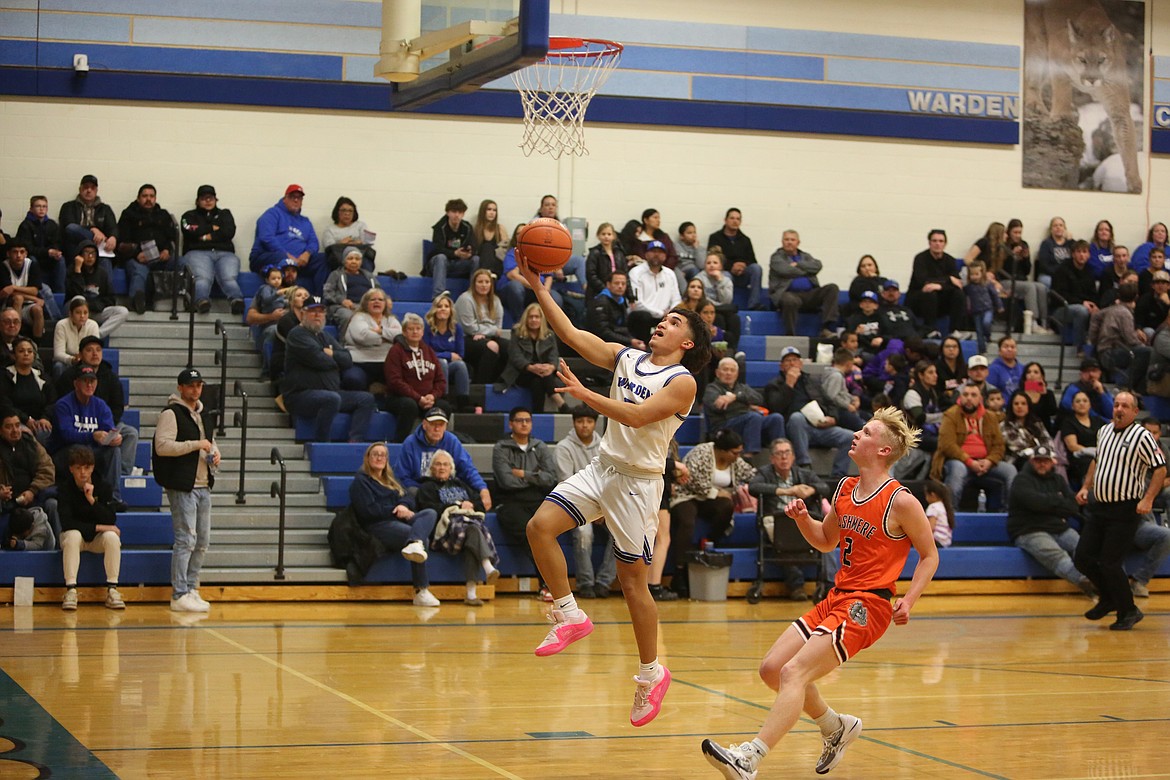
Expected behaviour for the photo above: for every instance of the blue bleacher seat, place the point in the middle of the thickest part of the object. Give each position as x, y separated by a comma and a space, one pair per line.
382, 427
125, 388
146, 529
417, 307
412, 288
142, 455
112, 357
761, 372
1157, 406
341, 457
141, 491
502, 402
753, 346
249, 283
765, 323
118, 282
543, 427
139, 567
691, 431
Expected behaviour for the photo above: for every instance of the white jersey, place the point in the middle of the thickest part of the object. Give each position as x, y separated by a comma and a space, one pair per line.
640, 451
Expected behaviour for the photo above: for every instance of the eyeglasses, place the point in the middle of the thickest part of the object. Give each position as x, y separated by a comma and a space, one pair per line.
522, 421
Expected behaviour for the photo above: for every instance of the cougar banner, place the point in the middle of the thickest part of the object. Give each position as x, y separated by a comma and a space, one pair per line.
1083, 94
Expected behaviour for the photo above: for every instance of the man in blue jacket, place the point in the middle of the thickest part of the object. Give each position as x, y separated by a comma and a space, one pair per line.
83, 418
414, 459
282, 232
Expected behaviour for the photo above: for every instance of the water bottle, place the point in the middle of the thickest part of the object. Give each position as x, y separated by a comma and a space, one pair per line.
982, 501
747, 326
211, 467
1028, 319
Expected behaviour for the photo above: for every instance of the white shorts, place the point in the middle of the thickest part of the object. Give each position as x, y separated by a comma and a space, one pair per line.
628, 504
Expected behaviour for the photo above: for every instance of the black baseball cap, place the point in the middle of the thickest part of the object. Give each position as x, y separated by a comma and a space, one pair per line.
89, 178
189, 376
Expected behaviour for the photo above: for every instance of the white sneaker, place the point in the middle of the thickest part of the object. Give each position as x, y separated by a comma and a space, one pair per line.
415, 552
736, 762
188, 603
114, 599
69, 603
136, 471
424, 598
202, 601
835, 744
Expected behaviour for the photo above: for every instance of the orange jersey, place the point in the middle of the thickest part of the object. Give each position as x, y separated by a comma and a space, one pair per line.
871, 557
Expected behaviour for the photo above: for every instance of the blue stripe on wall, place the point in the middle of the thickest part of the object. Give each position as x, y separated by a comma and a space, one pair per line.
883, 47
647, 85
19, 53
737, 63
167, 60
680, 34
18, 24
326, 12
920, 75
1162, 91
268, 37
1162, 67
85, 27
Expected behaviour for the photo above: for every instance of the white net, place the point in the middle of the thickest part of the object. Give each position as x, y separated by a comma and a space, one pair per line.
556, 92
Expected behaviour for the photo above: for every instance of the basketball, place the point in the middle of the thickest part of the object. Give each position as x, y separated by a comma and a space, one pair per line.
545, 243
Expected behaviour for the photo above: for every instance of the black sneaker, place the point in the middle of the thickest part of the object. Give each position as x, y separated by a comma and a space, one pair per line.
1127, 622
203, 306
601, 591
140, 303
238, 306
662, 594
1100, 610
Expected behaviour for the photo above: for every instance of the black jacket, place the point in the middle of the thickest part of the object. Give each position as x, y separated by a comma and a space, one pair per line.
352, 547
307, 367
137, 225
779, 397
606, 318
1074, 284
198, 223
77, 514
103, 217
1040, 503
93, 283
178, 473
40, 237
444, 240
927, 269
597, 268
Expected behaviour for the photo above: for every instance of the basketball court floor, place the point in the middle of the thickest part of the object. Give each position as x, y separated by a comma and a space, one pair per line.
999, 687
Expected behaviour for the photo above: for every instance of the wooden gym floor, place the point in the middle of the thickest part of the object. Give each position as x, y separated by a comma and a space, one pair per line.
993, 687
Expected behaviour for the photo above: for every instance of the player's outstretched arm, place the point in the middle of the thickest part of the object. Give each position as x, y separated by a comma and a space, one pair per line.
821, 534
676, 398
910, 516
600, 353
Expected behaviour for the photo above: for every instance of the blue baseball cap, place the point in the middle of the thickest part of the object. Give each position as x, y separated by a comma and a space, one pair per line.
869, 295
890, 284
654, 245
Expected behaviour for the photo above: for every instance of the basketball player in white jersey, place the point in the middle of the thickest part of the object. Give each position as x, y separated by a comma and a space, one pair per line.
651, 395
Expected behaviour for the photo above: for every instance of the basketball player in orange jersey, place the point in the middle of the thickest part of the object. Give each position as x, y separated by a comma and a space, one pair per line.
875, 520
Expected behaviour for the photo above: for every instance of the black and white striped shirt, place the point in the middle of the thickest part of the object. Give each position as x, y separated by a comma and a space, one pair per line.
1125, 459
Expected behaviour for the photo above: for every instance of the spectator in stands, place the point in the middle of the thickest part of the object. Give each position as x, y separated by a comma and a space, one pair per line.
1151, 538
1114, 275
1076, 284
1041, 503
386, 510
109, 389
481, 315
868, 279
651, 230
371, 332
346, 231
1155, 239
1015, 278
296, 298
1023, 431
431, 436
525, 471
717, 472
994, 403
720, 291
793, 394
514, 290
573, 453
42, 236
923, 404
690, 252
897, 322
320, 378
533, 358
29, 530
284, 233
1120, 346
146, 242
740, 258
268, 306
730, 404
775, 486
654, 291
26, 474
489, 237
20, 287
1043, 400
345, 288
445, 337
866, 324
1006, 372
88, 278
835, 389
983, 301
609, 311
1101, 248
1152, 307
693, 295
605, 257
25, 388
1157, 262
452, 251
977, 372
185, 459
971, 450
81, 418
68, 333
568, 283
10, 325
936, 291
1078, 431
88, 510
209, 252
460, 529
793, 286
952, 369
86, 218
1054, 250
414, 379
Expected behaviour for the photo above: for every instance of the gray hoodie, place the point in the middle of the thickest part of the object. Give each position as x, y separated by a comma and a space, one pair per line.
574, 455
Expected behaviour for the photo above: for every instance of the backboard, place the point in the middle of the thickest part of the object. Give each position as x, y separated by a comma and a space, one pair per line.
435, 48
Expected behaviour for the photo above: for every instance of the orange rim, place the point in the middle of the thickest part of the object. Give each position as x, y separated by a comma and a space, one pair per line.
578, 47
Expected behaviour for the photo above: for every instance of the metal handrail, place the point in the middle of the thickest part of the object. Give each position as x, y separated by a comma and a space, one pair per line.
279, 489
190, 288
1060, 336
241, 422
221, 358
180, 276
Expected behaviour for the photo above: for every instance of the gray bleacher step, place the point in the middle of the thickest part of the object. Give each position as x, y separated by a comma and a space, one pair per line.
204, 354
241, 365
162, 387
259, 449
223, 499
259, 465
265, 555
256, 418
212, 575
242, 519
229, 538
260, 483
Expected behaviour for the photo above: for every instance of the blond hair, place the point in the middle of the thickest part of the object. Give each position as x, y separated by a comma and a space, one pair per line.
520, 329
901, 436
432, 320
385, 477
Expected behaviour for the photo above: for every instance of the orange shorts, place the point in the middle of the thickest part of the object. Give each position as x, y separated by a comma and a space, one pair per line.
854, 619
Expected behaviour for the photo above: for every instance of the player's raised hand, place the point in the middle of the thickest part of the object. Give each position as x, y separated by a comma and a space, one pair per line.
796, 509
572, 385
529, 275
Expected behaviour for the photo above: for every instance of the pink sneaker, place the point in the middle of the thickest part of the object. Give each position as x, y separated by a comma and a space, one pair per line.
563, 633
648, 698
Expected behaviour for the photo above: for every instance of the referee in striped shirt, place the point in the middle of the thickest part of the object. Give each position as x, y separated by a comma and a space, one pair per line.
1119, 489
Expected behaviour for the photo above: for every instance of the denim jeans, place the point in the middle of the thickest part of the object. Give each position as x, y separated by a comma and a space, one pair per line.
396, 534
440, 267
1154, 541
804, 434
1076, 315
311, 275
214, 265
191, 518
129, 446
757, 430
458, 378
137, 273
997, 482
583, 557
752, 278
1053, 551
982, 321
323, 405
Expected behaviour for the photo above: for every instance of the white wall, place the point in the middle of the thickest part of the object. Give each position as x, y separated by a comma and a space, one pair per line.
846, 196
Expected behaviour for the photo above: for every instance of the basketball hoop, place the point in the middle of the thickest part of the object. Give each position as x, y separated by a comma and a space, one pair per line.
556, 91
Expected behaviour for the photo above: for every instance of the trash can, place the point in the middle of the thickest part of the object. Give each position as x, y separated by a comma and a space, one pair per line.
709, 573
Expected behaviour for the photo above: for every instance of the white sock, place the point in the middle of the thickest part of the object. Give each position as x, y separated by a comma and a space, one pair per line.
568, 605
829, 722
648, 671
487, 566
471, 589
758, 745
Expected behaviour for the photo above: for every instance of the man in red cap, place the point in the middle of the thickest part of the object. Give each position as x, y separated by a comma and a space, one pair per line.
283, 232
